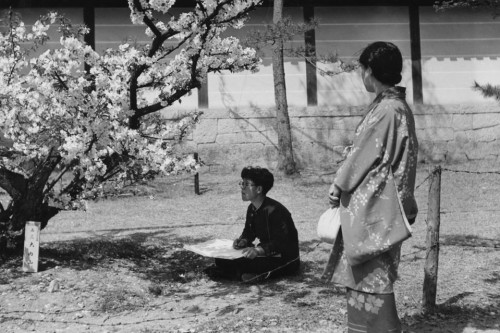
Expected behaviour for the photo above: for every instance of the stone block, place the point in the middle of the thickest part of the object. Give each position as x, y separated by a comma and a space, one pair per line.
433, 121
485, 120
436, 134
327, 123
251, 112
340, 137
432, 151
317, 155
174, 114
324, 137
327, 111
483, 150
232, 158
312, 123
463, 137
264, 137
239, 125
462, 121
488, 134
302, 136
480, 135
186, 147
216, 113
455, 153
205, 131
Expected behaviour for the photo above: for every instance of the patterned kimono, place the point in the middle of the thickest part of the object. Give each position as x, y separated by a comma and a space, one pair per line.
383, 157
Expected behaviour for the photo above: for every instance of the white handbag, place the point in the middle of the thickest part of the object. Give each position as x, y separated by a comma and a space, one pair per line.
329, 225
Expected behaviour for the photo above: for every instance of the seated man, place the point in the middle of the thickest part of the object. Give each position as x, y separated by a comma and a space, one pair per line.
267, 220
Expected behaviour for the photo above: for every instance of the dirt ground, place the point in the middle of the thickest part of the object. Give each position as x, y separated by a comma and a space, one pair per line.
121, 266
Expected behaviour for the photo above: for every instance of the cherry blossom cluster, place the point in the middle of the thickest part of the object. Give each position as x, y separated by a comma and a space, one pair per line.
104, 125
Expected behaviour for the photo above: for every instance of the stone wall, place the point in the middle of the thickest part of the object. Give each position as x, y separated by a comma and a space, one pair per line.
227, 140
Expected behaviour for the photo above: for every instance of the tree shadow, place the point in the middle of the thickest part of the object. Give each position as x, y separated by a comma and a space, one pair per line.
469, 240
141, 251
453, 316
171, 271
417, 253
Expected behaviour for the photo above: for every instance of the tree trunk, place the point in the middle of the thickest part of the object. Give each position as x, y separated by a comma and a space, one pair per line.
286, 162
27, 202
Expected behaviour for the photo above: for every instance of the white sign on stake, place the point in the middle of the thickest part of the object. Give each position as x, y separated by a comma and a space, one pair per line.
31, 246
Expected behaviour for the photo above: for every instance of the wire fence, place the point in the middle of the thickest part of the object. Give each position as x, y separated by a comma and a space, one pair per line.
260, 277
306, 255
455, 171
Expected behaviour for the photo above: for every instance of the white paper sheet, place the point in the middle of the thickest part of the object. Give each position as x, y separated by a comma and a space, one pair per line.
216, 248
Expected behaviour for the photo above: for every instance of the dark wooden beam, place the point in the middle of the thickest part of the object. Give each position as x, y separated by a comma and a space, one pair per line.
62, 3
189, 3
416, 54
89, 21
203, 95
310, 43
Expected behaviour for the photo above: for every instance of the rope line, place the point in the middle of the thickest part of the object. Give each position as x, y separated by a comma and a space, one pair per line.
458, 171
422, 183
473, 172
267, 274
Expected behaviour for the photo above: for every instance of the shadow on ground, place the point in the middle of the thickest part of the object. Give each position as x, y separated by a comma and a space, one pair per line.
160, 258
469, 240
163, 262
453, 318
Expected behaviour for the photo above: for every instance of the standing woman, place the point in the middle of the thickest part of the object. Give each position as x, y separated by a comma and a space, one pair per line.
374, 192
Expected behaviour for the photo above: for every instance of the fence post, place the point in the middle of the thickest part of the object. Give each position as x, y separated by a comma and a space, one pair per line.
432, 242
196, 177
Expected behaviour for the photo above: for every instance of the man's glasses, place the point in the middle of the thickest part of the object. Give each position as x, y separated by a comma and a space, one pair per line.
245, 184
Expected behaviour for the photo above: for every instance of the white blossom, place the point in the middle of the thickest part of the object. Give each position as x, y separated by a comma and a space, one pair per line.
49, 105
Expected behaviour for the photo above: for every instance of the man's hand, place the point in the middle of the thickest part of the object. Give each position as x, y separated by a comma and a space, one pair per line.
239, 243
252, 252
334, 196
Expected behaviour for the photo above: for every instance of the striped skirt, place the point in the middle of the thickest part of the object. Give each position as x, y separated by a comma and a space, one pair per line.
371, 313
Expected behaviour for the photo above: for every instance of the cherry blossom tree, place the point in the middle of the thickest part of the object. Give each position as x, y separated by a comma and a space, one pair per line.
102, 127
493, 5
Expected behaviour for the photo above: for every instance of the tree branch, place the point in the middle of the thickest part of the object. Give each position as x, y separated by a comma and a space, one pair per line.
207, 21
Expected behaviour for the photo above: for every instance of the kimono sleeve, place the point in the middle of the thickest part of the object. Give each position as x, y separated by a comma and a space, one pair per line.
373, 146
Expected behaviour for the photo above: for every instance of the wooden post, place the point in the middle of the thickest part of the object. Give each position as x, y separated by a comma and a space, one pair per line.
432, 242
416, 54
310, 43
203, 95
31, 246
89, 21
196, 177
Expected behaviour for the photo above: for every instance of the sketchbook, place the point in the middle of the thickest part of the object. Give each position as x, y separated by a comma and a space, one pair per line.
216, 248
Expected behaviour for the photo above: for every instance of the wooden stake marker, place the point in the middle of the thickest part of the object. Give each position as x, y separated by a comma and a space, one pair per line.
432, 242
31, 246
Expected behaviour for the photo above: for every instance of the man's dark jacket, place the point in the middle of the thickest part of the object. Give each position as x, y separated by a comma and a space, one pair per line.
273, 225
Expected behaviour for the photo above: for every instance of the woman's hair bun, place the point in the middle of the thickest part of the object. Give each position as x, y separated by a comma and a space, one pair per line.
385, 61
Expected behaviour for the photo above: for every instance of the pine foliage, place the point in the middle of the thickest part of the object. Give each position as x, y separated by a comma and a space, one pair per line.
488, 90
